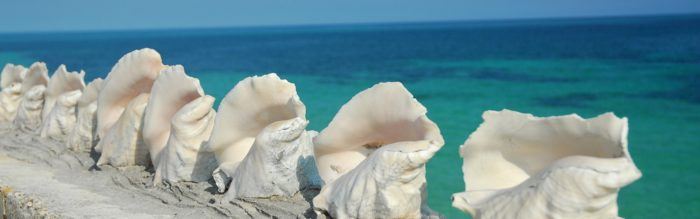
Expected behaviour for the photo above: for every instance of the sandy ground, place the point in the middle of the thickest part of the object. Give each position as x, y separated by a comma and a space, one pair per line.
67, 184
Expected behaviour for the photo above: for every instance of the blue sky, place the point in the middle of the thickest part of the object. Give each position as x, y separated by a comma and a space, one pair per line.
63, 15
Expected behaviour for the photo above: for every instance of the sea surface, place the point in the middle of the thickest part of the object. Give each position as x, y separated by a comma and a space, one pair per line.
643, 68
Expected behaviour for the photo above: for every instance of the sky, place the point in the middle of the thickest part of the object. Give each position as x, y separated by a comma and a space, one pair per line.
75, 15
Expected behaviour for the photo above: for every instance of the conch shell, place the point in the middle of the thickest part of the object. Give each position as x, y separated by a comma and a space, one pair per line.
520, 166
83, 136
29, 111
123, 145
184, 157
131, 76
37, 74
253, 104
372, 156
11, 74
11, 94
279, 163
62, 118
61, 82
172, 90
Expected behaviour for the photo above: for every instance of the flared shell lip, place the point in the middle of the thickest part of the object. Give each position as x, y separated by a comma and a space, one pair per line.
214, 141
603, 164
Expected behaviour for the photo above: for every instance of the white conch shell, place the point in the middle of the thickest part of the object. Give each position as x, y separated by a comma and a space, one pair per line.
123, 144
131, 76
11, 94
61, 120
12, 74
61, 82
247, 109
37, 74
520, 166
83, 136
183, 159
171, 90
390, 183
372, 156
29, 111
279, 163
10, 98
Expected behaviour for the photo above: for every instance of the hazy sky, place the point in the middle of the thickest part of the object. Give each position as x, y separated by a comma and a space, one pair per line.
52, 15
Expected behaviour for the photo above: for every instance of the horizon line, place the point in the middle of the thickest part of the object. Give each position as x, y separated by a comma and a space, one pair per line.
487, 20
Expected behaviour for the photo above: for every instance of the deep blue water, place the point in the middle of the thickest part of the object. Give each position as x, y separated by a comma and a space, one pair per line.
644, 68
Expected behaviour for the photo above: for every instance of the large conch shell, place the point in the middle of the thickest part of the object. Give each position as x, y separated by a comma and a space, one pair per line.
253, 104
61, 120
280, 162
29, 111
123, 145
520, 166
83, 136
184, 157
171, 90
372, 156
131, 76
11, 94
61, 82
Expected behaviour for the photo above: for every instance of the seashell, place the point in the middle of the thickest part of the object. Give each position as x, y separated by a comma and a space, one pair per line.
123, 145
131, 76
520, 166
279, 163
372, 156
83, 136
12, 74
254, 103
11, 94
29, 111
10, 98
37, 74
171, 90
183, 159
62, 118
61, 82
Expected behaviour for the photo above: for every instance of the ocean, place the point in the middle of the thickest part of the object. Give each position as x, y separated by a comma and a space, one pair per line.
643, 68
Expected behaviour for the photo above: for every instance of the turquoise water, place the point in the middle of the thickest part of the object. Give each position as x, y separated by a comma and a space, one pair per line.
643, 68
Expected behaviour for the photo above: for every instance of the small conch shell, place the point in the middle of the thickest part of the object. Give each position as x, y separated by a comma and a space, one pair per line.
183, 159
279, 163
61, 82
123, 144
132, 76
62, 118
10, 97
29, 111
372, 156
253, 104
37, 74
11, 94
171, 90
520, 166
83, 136
11, 74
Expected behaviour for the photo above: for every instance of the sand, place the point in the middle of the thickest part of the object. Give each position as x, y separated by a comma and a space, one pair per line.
41, 177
